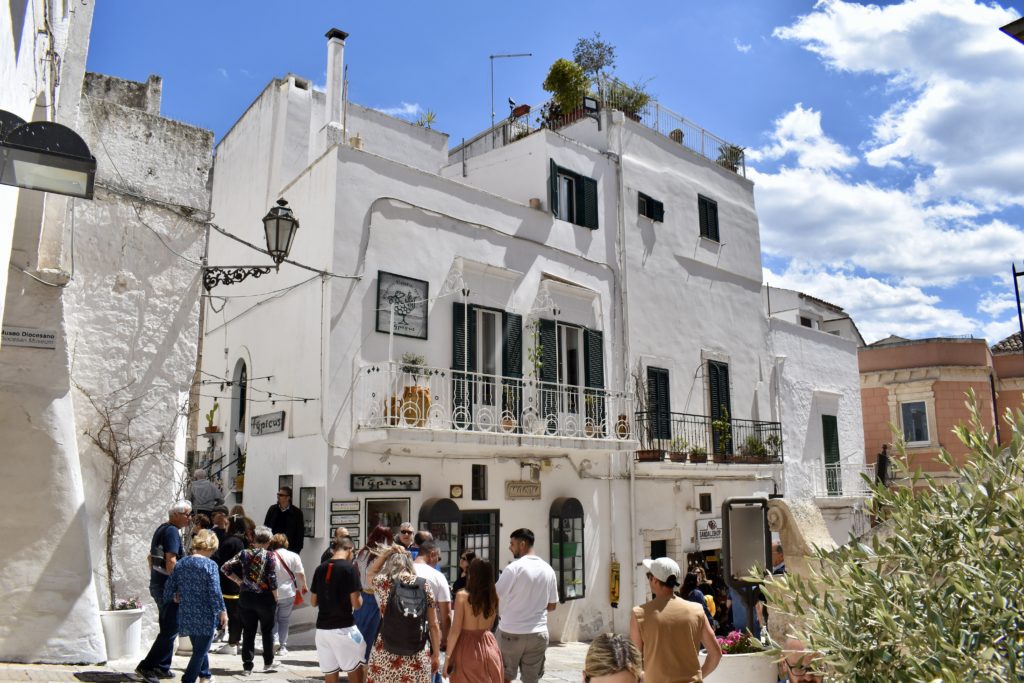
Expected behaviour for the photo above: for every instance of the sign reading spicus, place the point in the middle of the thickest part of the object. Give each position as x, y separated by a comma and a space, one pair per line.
26, 336
267, 424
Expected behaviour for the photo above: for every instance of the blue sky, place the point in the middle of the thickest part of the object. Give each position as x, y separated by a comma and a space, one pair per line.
884, 140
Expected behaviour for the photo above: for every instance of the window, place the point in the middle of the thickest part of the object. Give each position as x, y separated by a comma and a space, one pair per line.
651, 208
915, 422
567, 551
573, 197
479, 482
705, 503
806, 322
659, 549
487, 360
708, 210
659, 404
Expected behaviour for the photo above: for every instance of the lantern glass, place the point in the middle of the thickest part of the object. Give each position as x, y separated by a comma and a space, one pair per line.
280, 227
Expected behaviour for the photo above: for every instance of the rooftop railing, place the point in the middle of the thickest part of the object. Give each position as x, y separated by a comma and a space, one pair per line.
611, 94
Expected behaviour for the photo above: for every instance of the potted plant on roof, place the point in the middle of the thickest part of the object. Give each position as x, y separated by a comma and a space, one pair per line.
567, 84
730, 156
415, 398
631, 99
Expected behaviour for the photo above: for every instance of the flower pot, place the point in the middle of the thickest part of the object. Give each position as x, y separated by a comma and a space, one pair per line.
239, 482
677, 456
698, 458
622, 427
509, 425
122, 629
757, 667
650, 455
415, 404
212, 430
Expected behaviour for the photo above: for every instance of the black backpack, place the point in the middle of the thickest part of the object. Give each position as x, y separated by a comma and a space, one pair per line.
403, 626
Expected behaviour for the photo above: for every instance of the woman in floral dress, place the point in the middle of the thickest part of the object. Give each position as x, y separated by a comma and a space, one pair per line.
395, 564
195, 585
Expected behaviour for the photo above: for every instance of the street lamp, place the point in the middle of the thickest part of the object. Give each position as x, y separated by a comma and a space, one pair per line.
280, 226
45, 156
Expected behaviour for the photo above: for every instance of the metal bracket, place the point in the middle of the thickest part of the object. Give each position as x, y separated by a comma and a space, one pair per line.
217, 275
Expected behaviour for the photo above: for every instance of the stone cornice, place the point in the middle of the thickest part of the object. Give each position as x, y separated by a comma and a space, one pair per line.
950, 373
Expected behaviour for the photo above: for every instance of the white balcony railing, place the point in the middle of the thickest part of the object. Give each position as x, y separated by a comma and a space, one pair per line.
842, 480
392, 395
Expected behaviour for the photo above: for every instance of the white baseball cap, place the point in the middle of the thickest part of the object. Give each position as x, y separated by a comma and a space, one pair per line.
662, 568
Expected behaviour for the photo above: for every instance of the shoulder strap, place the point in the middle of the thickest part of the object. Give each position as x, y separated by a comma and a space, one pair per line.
285, 565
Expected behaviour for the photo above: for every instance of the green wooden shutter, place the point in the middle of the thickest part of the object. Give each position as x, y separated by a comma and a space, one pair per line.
658, 213
718, 388
593, 377
830, 437
511, 344
702, 210
659, 403
713, 220
548, 374
586, 202
463, 357
553, 188
593, 350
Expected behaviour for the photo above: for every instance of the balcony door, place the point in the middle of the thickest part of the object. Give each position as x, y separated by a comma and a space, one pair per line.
569, 375
487, 385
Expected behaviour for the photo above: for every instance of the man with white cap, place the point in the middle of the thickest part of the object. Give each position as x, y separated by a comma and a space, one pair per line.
669, 630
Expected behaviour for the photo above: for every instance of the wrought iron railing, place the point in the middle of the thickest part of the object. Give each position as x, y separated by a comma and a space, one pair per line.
392, 394
697, 438
840, 479
612, 94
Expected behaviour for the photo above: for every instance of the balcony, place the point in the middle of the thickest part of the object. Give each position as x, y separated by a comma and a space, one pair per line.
698, 438
842, 480
443, 411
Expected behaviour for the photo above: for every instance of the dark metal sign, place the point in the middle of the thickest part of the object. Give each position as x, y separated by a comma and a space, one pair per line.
267, 424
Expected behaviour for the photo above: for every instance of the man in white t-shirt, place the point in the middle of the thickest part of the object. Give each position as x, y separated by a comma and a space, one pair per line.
527, 591
424, 563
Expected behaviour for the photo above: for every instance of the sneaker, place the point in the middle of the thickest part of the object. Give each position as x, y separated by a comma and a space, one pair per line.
165, 675
148, 675
247, 672
269, 669
282, 650
208, 679
224, 649
277, 647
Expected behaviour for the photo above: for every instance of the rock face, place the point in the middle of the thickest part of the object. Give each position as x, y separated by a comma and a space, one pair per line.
801, 530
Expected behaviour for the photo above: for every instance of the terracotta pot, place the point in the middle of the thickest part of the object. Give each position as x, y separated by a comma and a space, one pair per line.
415, 404
622, 427
212, 430
509, 425
650, 455
698, 459
676, 456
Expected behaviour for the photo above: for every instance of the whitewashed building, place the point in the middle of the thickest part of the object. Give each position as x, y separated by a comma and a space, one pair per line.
492, 337
108, 289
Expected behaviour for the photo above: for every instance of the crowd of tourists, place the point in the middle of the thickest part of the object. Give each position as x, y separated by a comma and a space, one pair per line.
385, 613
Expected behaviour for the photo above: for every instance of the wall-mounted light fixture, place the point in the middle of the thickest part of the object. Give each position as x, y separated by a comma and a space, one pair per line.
279, 226
45, 156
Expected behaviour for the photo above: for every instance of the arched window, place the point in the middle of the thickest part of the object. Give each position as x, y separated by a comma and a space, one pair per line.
236, 440
567, 552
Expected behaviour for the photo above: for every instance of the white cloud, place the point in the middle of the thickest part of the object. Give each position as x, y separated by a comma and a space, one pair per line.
820, 217
223, 72
799, 132
741, 47
406, 110
993, 304
879, 307
960, 81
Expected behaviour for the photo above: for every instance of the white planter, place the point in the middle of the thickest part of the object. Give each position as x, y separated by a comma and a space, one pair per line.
122, 629
750, 668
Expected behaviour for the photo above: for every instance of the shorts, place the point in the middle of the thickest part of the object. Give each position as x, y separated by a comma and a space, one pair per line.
523, 651
340, 649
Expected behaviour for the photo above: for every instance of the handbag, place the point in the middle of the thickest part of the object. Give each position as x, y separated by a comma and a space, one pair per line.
298, 594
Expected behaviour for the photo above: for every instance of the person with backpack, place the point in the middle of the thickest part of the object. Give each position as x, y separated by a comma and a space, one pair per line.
408, 646
255, 571
165, 550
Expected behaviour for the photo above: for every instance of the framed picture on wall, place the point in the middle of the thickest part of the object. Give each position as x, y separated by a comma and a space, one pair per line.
345, 520
409, 298
389, 512
344, 506
307, 503
286, 480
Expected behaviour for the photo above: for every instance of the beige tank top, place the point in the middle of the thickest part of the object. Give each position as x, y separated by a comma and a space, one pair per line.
671, 629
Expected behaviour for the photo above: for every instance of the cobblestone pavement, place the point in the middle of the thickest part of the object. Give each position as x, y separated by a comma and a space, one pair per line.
564, 663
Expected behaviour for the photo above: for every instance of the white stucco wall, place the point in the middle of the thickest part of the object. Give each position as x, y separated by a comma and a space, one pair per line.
817, 375
127, 325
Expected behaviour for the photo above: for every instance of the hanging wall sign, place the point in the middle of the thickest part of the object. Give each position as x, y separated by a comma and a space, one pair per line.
32, 338
709, 533
409, 297
385, 482
267, 424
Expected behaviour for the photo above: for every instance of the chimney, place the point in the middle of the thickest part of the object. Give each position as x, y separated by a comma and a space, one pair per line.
335, 73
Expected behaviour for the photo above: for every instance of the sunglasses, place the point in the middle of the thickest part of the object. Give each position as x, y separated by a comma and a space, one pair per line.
405, 533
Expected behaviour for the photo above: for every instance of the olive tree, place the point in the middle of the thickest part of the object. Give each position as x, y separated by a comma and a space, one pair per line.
936, 591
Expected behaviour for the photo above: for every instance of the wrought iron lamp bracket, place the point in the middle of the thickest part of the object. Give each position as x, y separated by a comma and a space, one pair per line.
229, 275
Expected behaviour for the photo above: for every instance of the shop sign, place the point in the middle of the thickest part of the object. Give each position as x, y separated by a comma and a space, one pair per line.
522, 490
385, 482
709, 533
26, 336
267, 424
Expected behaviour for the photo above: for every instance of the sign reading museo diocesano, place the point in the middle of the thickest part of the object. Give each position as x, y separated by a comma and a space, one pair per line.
26, 336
